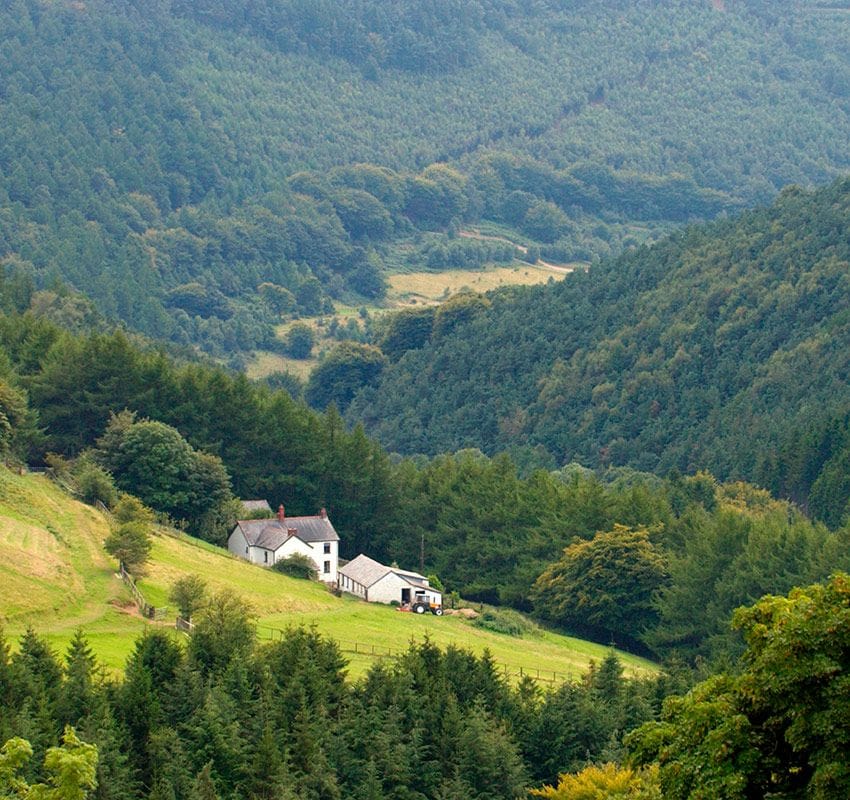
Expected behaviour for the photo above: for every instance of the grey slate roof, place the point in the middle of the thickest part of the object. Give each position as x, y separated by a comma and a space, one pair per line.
271, 533
367, 572
257, 505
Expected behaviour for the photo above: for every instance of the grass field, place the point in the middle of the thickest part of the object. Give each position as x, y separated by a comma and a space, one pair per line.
264, 363
432, 287
55, 576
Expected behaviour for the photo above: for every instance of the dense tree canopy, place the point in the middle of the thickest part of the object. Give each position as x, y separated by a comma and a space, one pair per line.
724, 348
230, 718
169, 189
780, 727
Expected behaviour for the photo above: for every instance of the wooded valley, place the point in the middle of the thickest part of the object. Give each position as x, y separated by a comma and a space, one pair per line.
143, 165
650, 453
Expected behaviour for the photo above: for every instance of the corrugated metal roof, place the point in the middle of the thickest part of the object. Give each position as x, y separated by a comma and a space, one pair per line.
272, 533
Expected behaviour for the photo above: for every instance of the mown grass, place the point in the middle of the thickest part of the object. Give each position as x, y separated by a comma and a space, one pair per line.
55, 577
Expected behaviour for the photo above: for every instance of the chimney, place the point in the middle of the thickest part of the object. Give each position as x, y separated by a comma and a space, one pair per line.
280, 515
323, 514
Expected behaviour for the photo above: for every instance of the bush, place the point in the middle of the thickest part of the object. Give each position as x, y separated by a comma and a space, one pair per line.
131, 509
95, 483
296, 566
188, 594
300, 340
131, 545
504, 620
287, 381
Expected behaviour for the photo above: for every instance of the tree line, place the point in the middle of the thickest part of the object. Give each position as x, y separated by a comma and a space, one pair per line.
225, 717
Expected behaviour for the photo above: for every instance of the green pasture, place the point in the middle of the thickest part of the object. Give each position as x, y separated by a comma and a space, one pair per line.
55, 577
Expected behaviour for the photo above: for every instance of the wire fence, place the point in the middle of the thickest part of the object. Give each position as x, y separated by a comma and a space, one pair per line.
379, 652
149, 611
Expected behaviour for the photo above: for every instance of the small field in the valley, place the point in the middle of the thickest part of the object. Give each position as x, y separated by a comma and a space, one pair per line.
433, 287
55, 577
405, 289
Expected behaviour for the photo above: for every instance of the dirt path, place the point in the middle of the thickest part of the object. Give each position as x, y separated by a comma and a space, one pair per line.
474, 234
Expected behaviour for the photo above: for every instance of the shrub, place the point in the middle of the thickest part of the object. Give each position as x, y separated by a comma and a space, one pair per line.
296, 566
131, 545
95, 483
504, 620
300, 340
131, 509
188, 594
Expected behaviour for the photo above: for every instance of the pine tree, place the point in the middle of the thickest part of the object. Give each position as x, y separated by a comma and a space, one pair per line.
269, 776
79, 690
487, 757
170, 776
455, 788
371, 787
115, 778
36, 669
213, 735
315, 779
36, 724
8, 701
203, 787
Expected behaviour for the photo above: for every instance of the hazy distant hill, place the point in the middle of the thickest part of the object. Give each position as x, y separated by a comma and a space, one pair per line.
147, 150
704, 351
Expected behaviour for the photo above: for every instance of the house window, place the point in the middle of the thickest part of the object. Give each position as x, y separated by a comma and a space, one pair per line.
327, 547
327, 567
246, 551
266, 556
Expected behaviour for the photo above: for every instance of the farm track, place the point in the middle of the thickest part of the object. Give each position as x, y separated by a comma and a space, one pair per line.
473, 234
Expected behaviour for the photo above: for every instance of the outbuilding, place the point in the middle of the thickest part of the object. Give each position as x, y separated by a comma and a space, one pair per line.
377, 583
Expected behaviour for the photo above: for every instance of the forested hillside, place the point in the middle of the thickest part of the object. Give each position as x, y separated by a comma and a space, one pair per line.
199, 169
724, 347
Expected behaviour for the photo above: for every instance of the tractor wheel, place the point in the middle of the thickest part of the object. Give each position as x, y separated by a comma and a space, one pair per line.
438, 612
419, 608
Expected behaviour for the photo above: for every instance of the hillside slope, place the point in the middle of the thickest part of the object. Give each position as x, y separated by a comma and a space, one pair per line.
701, 352
152, 155
55, 577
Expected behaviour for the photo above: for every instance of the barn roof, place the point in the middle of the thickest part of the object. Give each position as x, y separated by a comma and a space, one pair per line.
257, 505
367, 572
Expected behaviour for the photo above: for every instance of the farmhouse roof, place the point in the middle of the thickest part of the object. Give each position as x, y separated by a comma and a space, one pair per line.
367, 572
271, 534
257, 505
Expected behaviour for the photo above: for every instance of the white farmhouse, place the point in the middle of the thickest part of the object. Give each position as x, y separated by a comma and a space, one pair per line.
376, 583
267, 541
